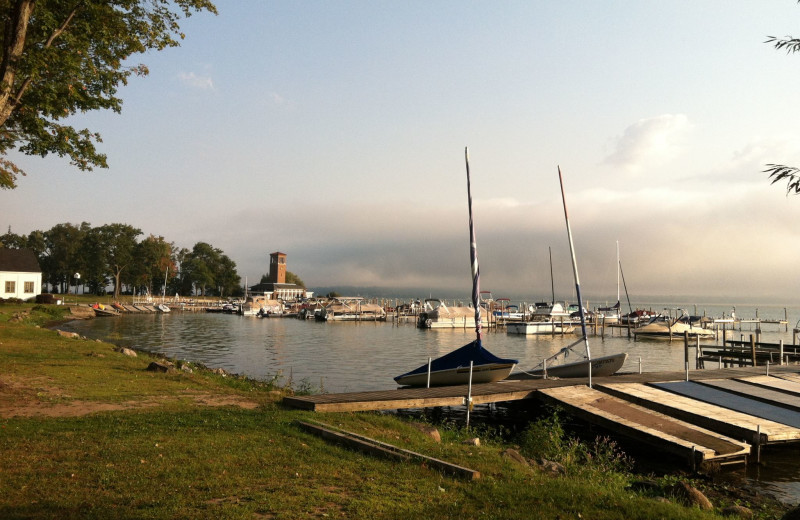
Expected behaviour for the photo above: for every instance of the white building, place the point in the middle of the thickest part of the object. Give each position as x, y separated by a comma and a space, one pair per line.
20, 274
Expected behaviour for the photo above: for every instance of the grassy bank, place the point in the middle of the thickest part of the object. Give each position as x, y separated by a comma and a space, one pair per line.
88, 432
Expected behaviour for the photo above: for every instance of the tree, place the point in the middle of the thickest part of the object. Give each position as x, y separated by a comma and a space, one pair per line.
12, 240
293, 278
779, 172
153, 263
61, 58
119, 243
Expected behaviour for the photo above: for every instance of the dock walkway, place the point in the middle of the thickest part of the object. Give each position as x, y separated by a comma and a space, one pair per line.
715, 417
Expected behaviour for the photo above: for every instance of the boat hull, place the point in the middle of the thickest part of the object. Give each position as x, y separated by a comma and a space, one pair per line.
539, 327
601, 367
489, 373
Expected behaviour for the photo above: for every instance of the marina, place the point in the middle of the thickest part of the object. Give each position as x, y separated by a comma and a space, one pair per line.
333, 360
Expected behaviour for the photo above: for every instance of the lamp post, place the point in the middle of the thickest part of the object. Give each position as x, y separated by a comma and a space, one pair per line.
77, 277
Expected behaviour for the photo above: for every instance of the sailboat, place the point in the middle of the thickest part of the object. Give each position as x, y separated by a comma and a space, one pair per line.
588, 366
472, 362
611, 314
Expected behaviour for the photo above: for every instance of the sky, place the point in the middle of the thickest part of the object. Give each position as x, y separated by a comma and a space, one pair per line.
334, 131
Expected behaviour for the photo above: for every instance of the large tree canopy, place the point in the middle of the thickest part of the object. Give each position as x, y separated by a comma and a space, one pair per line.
62, 57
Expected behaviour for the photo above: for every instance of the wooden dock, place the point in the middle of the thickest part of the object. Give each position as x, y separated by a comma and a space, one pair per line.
717, 416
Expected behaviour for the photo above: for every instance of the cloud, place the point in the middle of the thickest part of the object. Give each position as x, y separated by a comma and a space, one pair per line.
647, 140
193, 80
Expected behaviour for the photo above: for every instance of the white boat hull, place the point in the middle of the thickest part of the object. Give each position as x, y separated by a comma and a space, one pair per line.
601, 367
539, 327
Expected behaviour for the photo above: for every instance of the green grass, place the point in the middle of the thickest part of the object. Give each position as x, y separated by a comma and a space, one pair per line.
175, 458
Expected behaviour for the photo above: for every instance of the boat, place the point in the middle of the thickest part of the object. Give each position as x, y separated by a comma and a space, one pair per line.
101, 310
586, 366
350, 309
162, 307
253, 305
471, 363
665, 327
551, 327
436, 314
454, 368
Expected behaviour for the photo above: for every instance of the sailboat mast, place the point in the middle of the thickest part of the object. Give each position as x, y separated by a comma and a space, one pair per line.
473, 256
574, 268
552, 283
618, 269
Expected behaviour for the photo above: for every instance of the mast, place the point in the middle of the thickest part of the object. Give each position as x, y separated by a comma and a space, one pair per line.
575, 271
618, 269
473, 257
552, 284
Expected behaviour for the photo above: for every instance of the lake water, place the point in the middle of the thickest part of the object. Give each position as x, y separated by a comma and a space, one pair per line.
348, 357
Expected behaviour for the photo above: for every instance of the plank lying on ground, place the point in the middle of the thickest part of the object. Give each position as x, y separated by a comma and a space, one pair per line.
716, 418
656, 429
375, 447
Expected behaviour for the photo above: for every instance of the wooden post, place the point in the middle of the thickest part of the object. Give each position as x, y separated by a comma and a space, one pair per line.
781, 351
753, 348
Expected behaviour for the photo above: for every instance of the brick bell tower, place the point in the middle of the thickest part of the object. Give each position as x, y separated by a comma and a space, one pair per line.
277, 267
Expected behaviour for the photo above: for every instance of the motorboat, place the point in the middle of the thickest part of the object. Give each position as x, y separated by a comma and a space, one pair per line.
665, 327
436, 314
551, 327
350, 309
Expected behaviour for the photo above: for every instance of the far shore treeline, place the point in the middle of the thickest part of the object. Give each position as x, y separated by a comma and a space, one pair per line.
116, 255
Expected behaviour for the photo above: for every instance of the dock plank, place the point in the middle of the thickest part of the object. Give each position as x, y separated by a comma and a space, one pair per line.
667, 433
725, 399
779, 384
756, 392
710, 416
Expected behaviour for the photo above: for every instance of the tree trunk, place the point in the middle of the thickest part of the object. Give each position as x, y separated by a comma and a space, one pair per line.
13, 44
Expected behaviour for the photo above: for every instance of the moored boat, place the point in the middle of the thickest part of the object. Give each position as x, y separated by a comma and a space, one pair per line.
471, 363
664, 327
436, 314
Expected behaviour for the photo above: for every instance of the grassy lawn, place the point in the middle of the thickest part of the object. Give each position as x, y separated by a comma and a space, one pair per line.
87, 432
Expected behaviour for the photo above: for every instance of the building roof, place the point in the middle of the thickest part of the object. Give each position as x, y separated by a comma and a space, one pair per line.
19, 261
270, 286
277, 253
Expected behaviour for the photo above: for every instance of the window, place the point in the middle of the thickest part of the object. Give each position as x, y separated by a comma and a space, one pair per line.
29, 287
11, 287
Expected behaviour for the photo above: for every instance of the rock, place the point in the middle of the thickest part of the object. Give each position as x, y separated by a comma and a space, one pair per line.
65, 334
428, 430
691, 496
554, 468
740, 511
219, 372
513, 455
473, 442
158, 367
792, 514
126, 351
187, 369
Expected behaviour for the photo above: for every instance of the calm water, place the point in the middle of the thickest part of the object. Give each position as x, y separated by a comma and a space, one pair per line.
348, 357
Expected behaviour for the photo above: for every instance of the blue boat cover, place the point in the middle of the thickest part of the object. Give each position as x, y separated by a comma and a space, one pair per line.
460, 358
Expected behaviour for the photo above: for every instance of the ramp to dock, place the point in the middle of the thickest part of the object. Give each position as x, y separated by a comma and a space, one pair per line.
656, 429
728, 422
731, 401
777, 383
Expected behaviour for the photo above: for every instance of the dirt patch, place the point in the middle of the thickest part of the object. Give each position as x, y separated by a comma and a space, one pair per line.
35, 398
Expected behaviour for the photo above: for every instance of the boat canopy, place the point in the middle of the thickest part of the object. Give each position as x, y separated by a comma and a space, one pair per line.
461, 357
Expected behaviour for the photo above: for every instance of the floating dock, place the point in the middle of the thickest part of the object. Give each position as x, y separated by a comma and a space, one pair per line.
718, 416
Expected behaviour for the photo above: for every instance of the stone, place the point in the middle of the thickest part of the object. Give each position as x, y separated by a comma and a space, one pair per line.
551, 467
187, 369
792, 514
155, 366
691, 496
428, 430
473, 442
736, 510
126, 351
515, 456
65, 334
